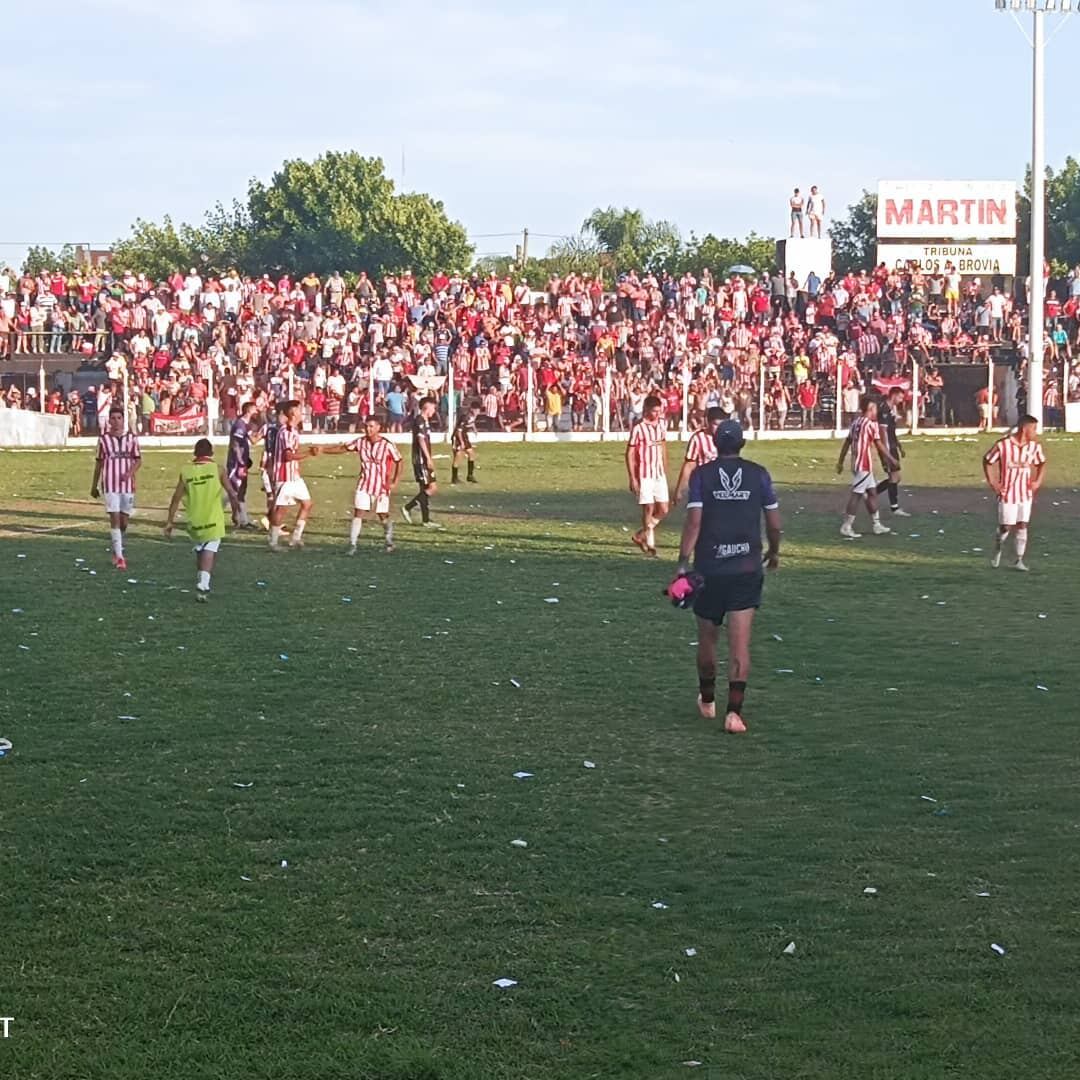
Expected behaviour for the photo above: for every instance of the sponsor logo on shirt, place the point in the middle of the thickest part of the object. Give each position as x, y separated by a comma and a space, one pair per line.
731, 488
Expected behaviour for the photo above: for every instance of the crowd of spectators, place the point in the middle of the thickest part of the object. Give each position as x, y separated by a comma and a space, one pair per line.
348, 345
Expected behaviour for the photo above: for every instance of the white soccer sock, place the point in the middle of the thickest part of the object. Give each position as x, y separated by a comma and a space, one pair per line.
203, 584
999, 539
388, 532
1020, 539
354, 530
243, 515
875, 517
650, 535
275, 535
117, 538
298, 531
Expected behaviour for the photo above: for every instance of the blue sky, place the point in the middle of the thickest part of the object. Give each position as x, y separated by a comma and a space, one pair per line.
515, 114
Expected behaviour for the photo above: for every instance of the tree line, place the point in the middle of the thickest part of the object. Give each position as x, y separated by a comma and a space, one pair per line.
341, 212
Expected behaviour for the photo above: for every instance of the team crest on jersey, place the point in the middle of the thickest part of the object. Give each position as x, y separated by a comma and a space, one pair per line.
731, 487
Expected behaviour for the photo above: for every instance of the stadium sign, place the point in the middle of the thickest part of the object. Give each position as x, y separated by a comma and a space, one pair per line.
946, 209
968, 259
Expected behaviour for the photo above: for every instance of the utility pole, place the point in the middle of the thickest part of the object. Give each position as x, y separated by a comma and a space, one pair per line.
524, 246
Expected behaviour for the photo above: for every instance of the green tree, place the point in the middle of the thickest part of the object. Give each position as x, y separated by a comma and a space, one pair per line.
631, 240
718, 255
158, 250
854, 238
1062, 218
43, 258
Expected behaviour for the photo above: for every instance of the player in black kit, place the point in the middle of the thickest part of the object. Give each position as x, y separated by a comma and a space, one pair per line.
238, 463
887, 421
422, 462
462, 445
722, 536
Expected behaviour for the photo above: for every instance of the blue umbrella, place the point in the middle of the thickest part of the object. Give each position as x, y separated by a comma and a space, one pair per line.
741, 269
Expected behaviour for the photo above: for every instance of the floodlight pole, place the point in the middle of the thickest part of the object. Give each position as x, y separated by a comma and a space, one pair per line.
1037, 299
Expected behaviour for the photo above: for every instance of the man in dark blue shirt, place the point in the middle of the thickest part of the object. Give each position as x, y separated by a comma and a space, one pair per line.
238, 461
722, 536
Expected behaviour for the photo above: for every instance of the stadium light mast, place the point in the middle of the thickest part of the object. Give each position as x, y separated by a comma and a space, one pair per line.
1039, 10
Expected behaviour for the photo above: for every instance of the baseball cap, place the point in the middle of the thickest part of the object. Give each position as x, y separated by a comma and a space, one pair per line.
729, 436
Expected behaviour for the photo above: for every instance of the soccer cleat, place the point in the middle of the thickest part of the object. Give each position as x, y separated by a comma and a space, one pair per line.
849, 532
900, 512
351, 549
880, 530
202, 595
733, 724
1021, 566
472, 480
296, 543
995, 559
432, 525
639, 539
406, 515
264, 521
707, 709
389, 549
121, 563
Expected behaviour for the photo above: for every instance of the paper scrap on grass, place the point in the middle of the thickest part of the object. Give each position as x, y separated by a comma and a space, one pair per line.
777, 637
243, 878
789, 949
283, 656
870, 891
928, 798
284, 864
519, 843
504, 984
1041, 615
522, 775
691, 1064
589, 764
982, 894
676, 977
16, 611
236, 783
127, 718
1039, 686
999, 949
659, 905
690, 952
785, 671
515, 684
551, 599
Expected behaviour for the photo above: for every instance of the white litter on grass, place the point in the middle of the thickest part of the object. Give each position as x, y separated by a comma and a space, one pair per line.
77, 561
284, 864
690, 1064
870, 891
519, 843
346, 599
449, 562
928, 798
84, 779
915, 536
93, 573
283, 656
244, 878
515, 684
133, 581
892, 689
238, 784
20, 556
127, 718
777, 637
789, 949
461, 785
941, 603
260, 584
999, 949
659, 905
690, 952
16, 611
785, 671
551, 599
982, 894
675, 975
1039, 686
523, 775
589, 764
1041, 615
977, 550
925, 596
25, 648
504, 984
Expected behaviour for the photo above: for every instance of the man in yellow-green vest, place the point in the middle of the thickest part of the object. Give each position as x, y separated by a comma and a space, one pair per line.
200, 488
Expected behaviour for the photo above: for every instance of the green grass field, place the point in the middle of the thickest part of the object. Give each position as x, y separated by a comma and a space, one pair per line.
168, 757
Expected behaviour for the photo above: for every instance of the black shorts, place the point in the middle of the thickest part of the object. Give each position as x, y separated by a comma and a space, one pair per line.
424, 476
728, 592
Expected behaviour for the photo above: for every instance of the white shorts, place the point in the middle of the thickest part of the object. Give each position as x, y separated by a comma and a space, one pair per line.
292, 492
863, 482
364, 500
209, 545
119, 503
1014, 513
653, 489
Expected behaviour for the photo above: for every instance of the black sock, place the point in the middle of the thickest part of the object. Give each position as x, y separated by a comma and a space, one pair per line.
707, 688
736, 691
422, 499
472, 468
412, 502
894, 496
453, 474
882, 487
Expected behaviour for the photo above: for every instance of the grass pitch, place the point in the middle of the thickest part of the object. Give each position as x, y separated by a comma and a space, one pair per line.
356, 719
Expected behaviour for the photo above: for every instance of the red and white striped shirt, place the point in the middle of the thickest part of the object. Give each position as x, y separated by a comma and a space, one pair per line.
288, 441
375, 459
1015, 461
117, 454
648, 438
701, 449
864, 434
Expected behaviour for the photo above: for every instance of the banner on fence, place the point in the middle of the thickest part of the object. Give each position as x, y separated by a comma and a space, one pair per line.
189, 422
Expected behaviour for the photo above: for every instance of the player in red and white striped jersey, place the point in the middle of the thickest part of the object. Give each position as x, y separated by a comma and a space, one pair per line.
700, 450
290, 488
118, 460
380, 467
1014, 468
646, 466
862, 440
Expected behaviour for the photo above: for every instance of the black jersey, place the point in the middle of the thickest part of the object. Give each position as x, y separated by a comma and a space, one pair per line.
421, 440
